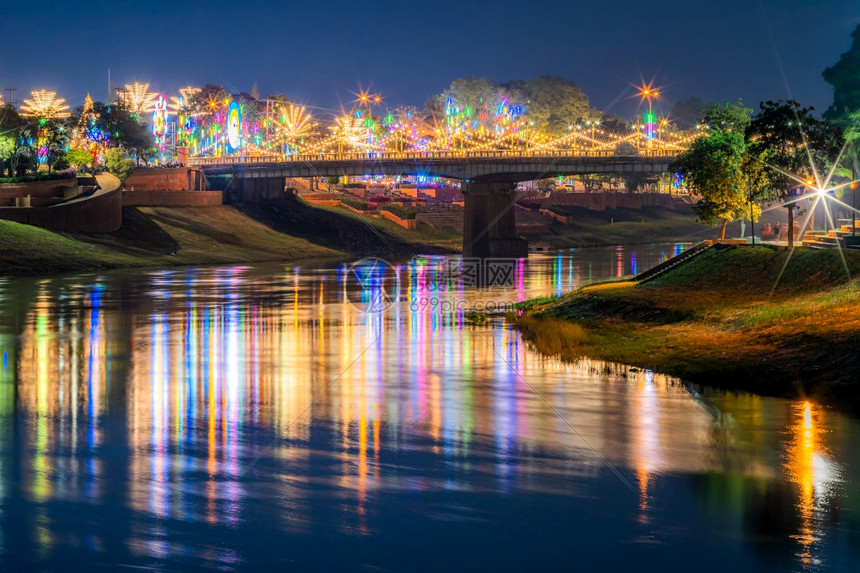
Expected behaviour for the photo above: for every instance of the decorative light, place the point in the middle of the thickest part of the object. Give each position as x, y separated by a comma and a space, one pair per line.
45, 105
138, 98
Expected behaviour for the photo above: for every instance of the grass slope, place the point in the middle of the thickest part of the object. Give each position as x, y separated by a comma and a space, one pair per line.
626, 227
205, 235
337, 226
722, 319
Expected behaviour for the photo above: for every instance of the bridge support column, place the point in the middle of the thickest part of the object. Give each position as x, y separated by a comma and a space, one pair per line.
255, 190
489, 228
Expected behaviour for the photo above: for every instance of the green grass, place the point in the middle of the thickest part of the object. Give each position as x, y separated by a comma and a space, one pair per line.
718, 320
451, 239
627, 226
27, 249
208, 235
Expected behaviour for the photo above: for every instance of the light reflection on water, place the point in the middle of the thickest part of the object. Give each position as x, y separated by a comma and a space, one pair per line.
240, 417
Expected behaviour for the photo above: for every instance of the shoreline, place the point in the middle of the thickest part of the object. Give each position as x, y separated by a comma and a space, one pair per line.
286, 230
714, 322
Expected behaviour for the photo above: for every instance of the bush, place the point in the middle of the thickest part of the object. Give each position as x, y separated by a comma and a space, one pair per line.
399, 210
117, 164
79, 158
61, 163
39, 177
357, 205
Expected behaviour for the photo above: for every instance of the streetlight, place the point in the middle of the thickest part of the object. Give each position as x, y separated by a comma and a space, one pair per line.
593, 125
650, 94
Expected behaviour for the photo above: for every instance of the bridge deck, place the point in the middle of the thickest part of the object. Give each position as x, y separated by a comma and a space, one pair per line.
478, 166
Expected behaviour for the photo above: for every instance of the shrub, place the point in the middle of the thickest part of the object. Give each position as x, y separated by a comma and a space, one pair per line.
399, 210
355, 204
39, 177
117, 164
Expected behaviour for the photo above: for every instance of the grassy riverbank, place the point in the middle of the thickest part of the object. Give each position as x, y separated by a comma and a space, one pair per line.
338, 227
148, 237
745, 319
626, 227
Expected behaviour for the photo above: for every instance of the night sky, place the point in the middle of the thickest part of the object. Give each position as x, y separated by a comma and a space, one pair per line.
318, 53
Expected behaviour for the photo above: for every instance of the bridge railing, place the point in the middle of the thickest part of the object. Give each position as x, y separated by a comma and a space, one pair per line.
424, 155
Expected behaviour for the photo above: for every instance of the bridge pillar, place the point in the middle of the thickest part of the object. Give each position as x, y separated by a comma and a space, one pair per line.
489, 227
255, 190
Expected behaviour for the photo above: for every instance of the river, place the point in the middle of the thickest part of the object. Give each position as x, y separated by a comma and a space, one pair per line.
248, 418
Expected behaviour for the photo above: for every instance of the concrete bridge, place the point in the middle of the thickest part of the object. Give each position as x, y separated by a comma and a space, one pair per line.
488, 180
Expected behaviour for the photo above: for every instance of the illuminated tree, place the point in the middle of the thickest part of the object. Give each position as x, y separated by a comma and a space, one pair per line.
14, 128
712, 169
117, 164
404, 127
7, 148
551, 103
795, 145
717, 167
79, 158
112, 126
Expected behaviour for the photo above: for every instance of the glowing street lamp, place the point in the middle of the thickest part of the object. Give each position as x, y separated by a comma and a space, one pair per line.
650, 94
853, 187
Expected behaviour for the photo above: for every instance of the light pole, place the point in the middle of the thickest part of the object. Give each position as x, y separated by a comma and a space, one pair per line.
649, 94
593, 125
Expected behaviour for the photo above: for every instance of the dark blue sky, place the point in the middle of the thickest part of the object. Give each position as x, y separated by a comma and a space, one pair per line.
317, 53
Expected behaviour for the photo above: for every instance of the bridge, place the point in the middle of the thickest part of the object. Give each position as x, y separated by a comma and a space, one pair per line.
483, 166
488, 179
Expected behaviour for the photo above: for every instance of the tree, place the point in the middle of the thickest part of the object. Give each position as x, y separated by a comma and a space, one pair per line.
15, 129
117, 164
7, 148
727, 117
468, 100
79, 158
552, 103
795, 145
61, 162
115, 126
47, 139
844, 76
713, 169
687, 113
717, 167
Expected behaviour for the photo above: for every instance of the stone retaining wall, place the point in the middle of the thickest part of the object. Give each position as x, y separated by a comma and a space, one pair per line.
139, 198
101, 214
602, 201
42, 189
167, 179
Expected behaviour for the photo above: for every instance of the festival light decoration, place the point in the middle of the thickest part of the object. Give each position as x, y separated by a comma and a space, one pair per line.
45, 105
499, 126
137, 97
160, 123
348, 131
180, 103
293, 124
234, 127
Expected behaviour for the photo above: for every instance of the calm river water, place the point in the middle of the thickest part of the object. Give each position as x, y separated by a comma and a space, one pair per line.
252, 418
